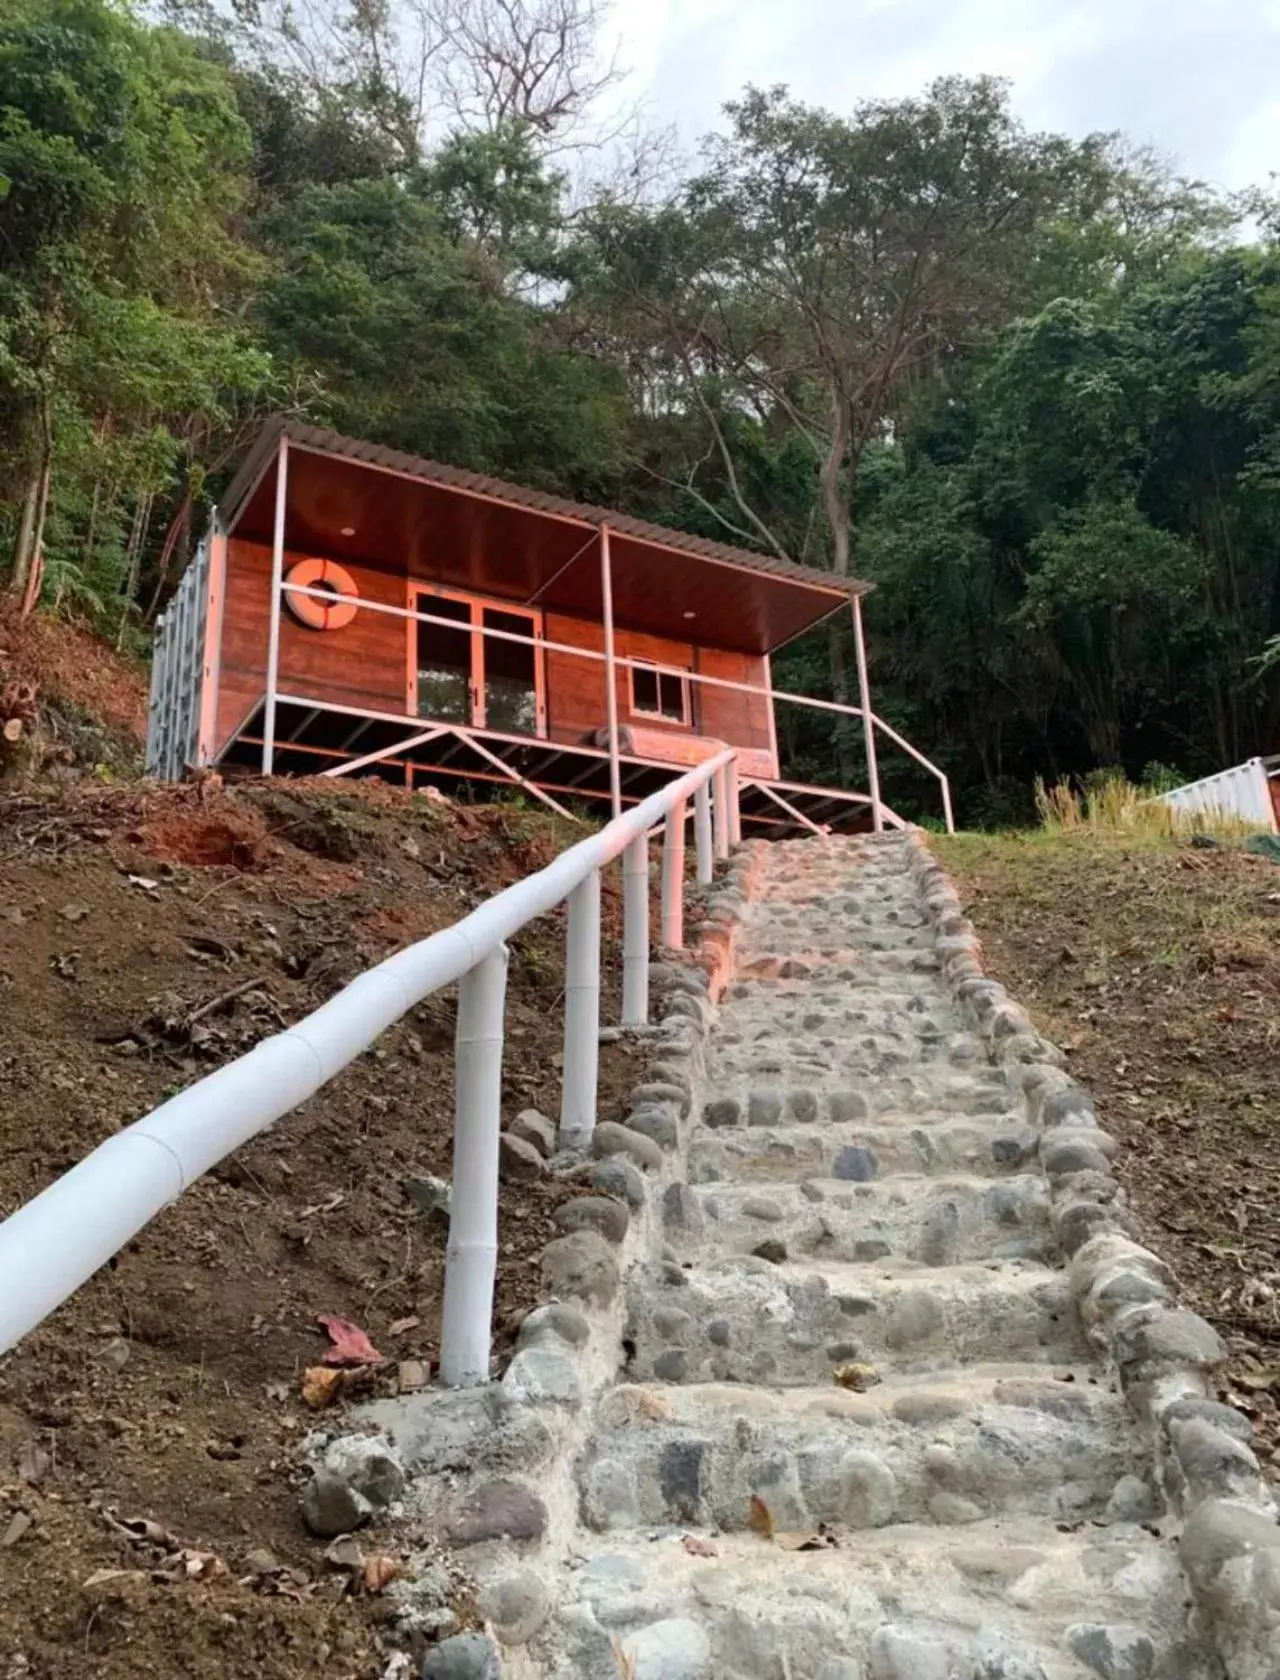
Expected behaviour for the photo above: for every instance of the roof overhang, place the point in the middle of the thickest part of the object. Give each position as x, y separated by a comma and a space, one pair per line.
355, 502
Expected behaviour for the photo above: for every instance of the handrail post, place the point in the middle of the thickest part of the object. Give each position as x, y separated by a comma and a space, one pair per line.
471, 1257
720, 812
946, 804
673, 877
610, 674
579, 1083
868, 720
635, 933
277, 602
735, 801
702, 832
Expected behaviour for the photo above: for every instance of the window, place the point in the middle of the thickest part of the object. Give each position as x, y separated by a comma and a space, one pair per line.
660, 694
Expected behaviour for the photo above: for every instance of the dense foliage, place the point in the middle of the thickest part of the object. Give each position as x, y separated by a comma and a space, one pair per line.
1030, 387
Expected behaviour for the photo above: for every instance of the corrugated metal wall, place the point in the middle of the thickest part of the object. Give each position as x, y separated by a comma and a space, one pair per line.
1243, 792
173, 719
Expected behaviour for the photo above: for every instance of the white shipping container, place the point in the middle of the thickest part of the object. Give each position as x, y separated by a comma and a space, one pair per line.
1243, 792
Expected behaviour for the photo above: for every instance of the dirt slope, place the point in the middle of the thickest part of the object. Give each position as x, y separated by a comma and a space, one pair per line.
146, 935
1156, 966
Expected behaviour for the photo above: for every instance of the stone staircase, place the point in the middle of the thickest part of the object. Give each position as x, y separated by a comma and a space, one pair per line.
854, 1330
853, 1367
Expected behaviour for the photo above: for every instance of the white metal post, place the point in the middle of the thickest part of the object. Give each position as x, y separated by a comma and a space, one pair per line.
471, 1257
673, 877
610, 673
946, 805
277, 589
635, 933
702, 832
868, 721
581, 1014
720, 812
735, 802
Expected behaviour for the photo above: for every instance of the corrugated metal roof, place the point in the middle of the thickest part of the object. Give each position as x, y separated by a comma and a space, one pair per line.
517, 495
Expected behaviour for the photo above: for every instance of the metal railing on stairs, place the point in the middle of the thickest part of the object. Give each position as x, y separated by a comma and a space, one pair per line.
58, 1240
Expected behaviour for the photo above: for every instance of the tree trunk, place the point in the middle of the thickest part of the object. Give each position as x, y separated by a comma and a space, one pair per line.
22, 548
35, 551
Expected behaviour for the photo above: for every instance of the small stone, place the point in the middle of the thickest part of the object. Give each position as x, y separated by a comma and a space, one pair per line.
411, 1375
803, 1107
764, 1108
1132, 1501
610, 1138
1215, 1463
771, 1249
719, 1333
115, 1355
869, 1490
619, 1177
1071, 1107
536, 1129
429, 1195
855, 1164
1065, 1153
898, 1654
517, 1605
655, 1123
844, 1106
682, 1209
369, 1464
915, 1317
928, 1410
331, 1506
1160, 1334
993, 1659
951, 1508
1114, 1653
467, 1656
519, 1162
608, 1496
498, 1511
672, 1365
812, 1192
581, 1265
543, 1375
557, 1321
680, 1478
1212, 1411
260, 1562
676, 1649
724, 1111
344, 1553
593, 1213
673, 1325
656, 1092
762, 1207
1011, 1147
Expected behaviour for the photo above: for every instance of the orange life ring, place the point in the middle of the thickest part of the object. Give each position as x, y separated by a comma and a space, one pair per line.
309, 609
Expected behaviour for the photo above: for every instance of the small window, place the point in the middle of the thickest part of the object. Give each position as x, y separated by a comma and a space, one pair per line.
659, 694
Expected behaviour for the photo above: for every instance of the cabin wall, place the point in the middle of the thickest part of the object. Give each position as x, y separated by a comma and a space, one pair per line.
365, 664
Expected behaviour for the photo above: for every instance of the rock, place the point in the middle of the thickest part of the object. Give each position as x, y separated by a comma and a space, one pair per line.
676, 1649
115, 1355
1132, 1501
331, 1506
1114, 1653
619, 1177
608, 1496
719, 1333
672, 1365
1212, 1411
498, 1511
994, 1659
673, 1325
557, 1321
657, 1124
519, 1162
1012, 1147
844, 1106
762, 1207
1216, 1464
1161, 1335
682, 1210
610, 1138
467, 1656
429, 1195
543, 1375
802, 1106
581, 1265
725, 1111
517, 1605
1070, 1107
868, 1490
855, 1164
680, 1478
1065, 1152
840, 1668
771, 1249
915, 1317
899, 1654
657, 1092
953, 1509
536, 1129
764, 1108
1231, 1556
593, 1213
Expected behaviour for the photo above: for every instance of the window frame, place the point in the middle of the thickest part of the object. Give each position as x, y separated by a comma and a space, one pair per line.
418, 587
676, 675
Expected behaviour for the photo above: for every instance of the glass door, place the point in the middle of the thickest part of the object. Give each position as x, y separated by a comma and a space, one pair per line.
484, 681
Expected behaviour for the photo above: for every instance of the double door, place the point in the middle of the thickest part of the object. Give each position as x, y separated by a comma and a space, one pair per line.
461, 675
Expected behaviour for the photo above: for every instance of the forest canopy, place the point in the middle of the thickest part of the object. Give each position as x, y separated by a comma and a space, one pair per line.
1027, 385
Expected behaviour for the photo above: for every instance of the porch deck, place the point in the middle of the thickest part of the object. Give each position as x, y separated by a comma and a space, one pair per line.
315, 737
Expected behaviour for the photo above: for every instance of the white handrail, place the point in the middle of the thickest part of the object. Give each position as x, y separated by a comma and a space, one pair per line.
58, 1240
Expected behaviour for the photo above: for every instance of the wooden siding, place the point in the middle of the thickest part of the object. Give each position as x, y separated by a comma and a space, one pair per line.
364, 665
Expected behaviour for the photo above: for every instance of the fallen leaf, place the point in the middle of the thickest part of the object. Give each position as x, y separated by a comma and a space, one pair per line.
330, 1205
402, 1326
377, 1572
345, 1553
199, 1566
818, 1541
144, 882
321, 1386
350, 1344
101, 1577
758, 1518
142, 1531
696, 1546
857, 1377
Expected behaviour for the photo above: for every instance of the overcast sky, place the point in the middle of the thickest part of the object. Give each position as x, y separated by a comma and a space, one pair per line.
1198, 79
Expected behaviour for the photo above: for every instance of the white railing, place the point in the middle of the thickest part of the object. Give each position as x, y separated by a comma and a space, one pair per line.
59, 1240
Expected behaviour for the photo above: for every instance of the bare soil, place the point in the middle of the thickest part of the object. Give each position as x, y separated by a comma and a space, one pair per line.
1156, 967
147, 935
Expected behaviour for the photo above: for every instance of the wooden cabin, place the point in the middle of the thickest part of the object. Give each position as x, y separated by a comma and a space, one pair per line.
354, 610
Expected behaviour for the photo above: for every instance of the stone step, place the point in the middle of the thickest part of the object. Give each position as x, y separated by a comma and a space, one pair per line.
935, 1221
928, 1143
953, 1449
1005, 1599
798, 1324
781, 1090
822, 1016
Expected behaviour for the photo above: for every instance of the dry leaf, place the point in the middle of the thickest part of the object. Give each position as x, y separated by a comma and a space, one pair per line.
101, 1577
321, 1386
144, 1532
198, 1566
377, 1572
818, 1541
402, 1326
857, 1377
758, 1519
696, 1546
350, 1344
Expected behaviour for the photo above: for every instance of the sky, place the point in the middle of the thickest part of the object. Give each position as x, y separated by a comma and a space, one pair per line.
1196, 79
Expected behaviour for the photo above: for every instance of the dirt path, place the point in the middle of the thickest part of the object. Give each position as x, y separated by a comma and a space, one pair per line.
168, 1388
1157, 968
